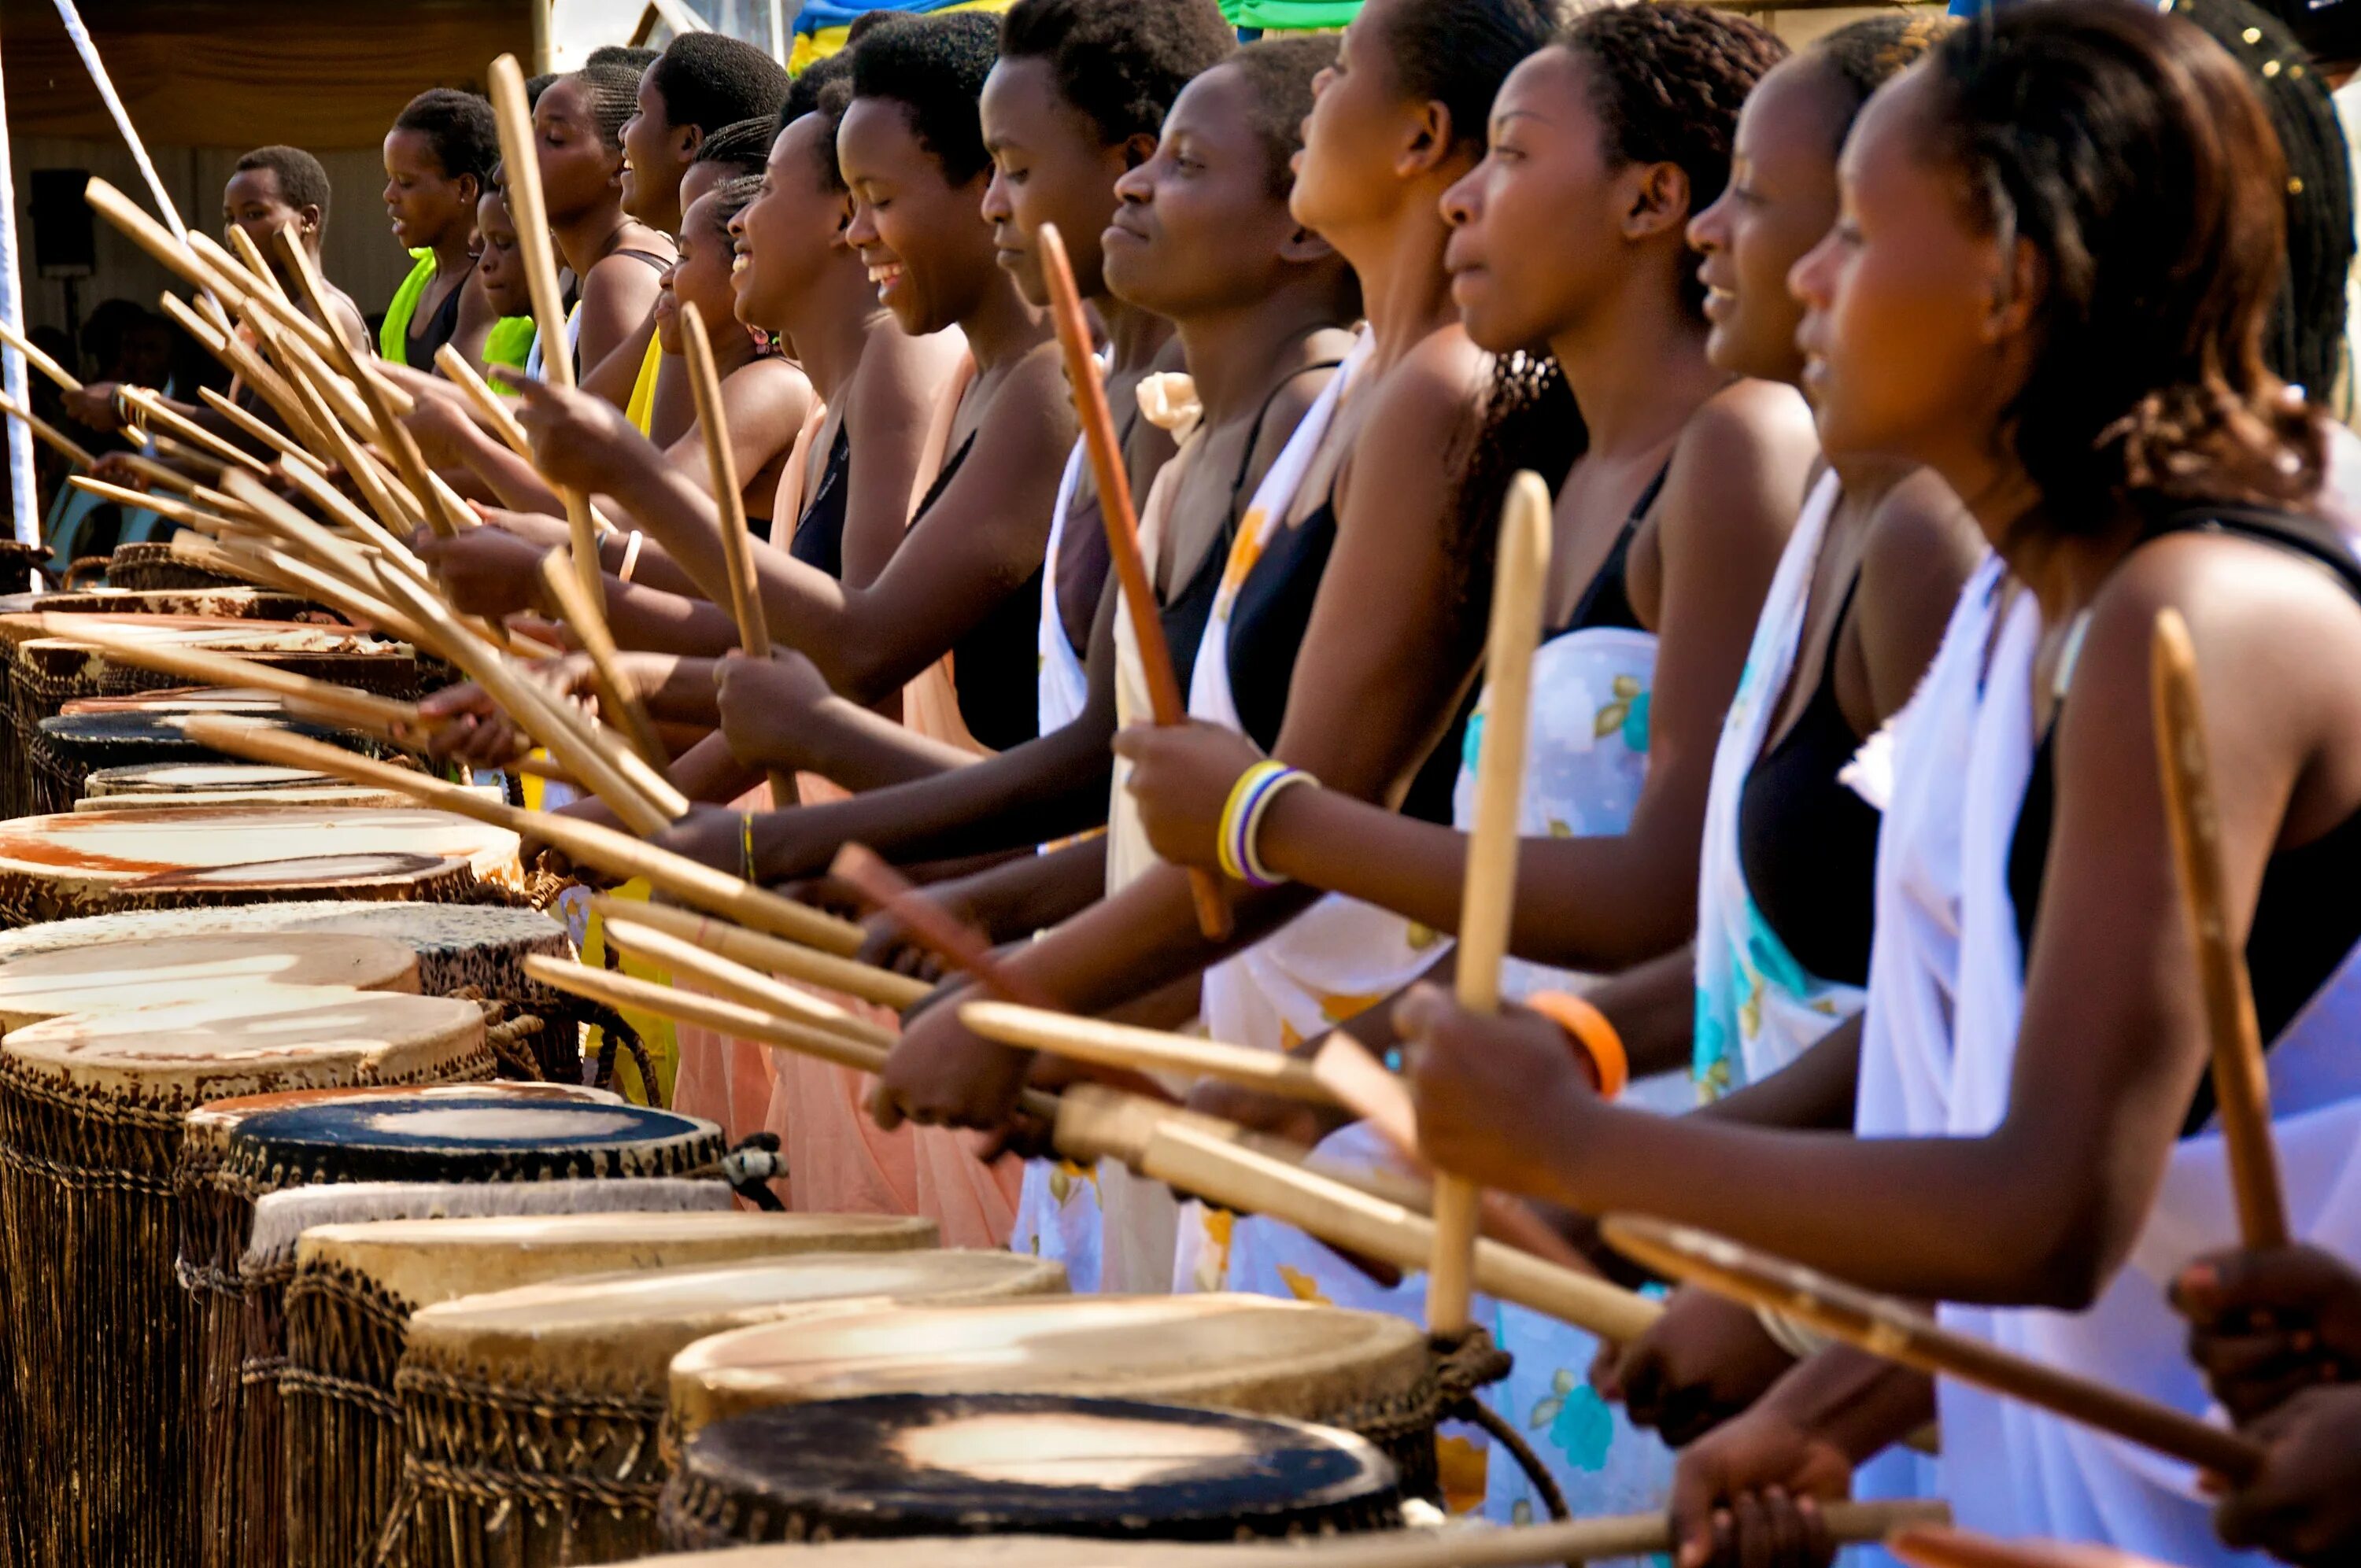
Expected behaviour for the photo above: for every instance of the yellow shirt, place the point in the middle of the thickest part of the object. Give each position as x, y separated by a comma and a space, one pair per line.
641, 408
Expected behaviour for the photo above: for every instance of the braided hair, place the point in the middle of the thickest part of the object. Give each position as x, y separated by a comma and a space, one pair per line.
1666, 82
741, 147
1864, 56
2305, 341
611, 95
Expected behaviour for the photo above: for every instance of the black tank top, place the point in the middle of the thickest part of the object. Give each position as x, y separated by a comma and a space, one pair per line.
1808, 842
1185, 613
1606, 600
419, 346
996, 667
2306, 917
818, 539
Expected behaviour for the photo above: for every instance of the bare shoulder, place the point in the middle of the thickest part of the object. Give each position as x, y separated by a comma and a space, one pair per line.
1752, 423
1922, 544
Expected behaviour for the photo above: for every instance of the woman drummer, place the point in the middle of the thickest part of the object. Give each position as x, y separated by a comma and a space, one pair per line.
2059, 241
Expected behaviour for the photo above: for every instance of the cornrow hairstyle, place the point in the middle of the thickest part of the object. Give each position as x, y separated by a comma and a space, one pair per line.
631, 56
804, 93
460, 129
2305, 341
933, 66
614, 95
731, 197
1281, 71
711, 79
301, 182
1864, 56
1666, 82
1458, 53
1121, 62
742, 148
2127, 148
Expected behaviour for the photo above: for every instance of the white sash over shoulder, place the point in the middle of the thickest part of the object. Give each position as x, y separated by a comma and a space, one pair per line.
1757, 1008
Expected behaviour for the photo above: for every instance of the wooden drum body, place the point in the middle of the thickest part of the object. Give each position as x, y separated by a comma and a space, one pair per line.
531, 1418
355, 1287
237, 1254
916, 1465
91, 1121
1367, 1372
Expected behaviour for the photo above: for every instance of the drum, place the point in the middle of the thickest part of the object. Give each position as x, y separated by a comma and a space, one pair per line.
921, 1465
54, 868
238, 1255
108, 977
1368, 1372
530, 1416
66, 750
47, 673
159, 781
355, 1286
150, 567
470, 949
91, 1117
181, 785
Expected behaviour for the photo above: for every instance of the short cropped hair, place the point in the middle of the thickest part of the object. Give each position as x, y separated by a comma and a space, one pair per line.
934, 67
1121, 62
301, 182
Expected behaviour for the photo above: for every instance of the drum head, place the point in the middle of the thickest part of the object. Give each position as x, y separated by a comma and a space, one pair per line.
626, 1327
991, 1464
474, 1139
305, 871
258, 1040
195, 778
1230, 1351
112, 976
121, 845
423, 1261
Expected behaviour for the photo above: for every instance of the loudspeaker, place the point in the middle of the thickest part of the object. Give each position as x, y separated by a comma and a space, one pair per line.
62, 241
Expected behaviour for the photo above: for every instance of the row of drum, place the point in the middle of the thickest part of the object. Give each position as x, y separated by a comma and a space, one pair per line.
291, 1279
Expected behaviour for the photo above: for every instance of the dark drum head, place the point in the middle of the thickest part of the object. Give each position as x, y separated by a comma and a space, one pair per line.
915, 1464
464, 1138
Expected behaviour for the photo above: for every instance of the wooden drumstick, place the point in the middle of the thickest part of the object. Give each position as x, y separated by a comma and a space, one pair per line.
250, 369
158, 417
689, 962
729, 509
165, 507
302, 362
730, 1017
1899, 1332
1123, 534
1487, 905
65, 445
2241, 1084
288, 449
617, 854
615, 691
770, 954
1255, 1183
161, 242
1933, 1546
342, 445
1144, 1050
488, 403
399, 445
37, 359
520, 163
952, 940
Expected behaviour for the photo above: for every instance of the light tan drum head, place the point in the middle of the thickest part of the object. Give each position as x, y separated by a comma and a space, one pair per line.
119, 847
198, 778
112, 976
625, 1328
1242, 1353
262, 1038
338, 797
425, 1261
1055, 1552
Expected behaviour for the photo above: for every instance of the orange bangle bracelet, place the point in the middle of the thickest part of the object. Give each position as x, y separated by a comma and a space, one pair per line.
1590, 1030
